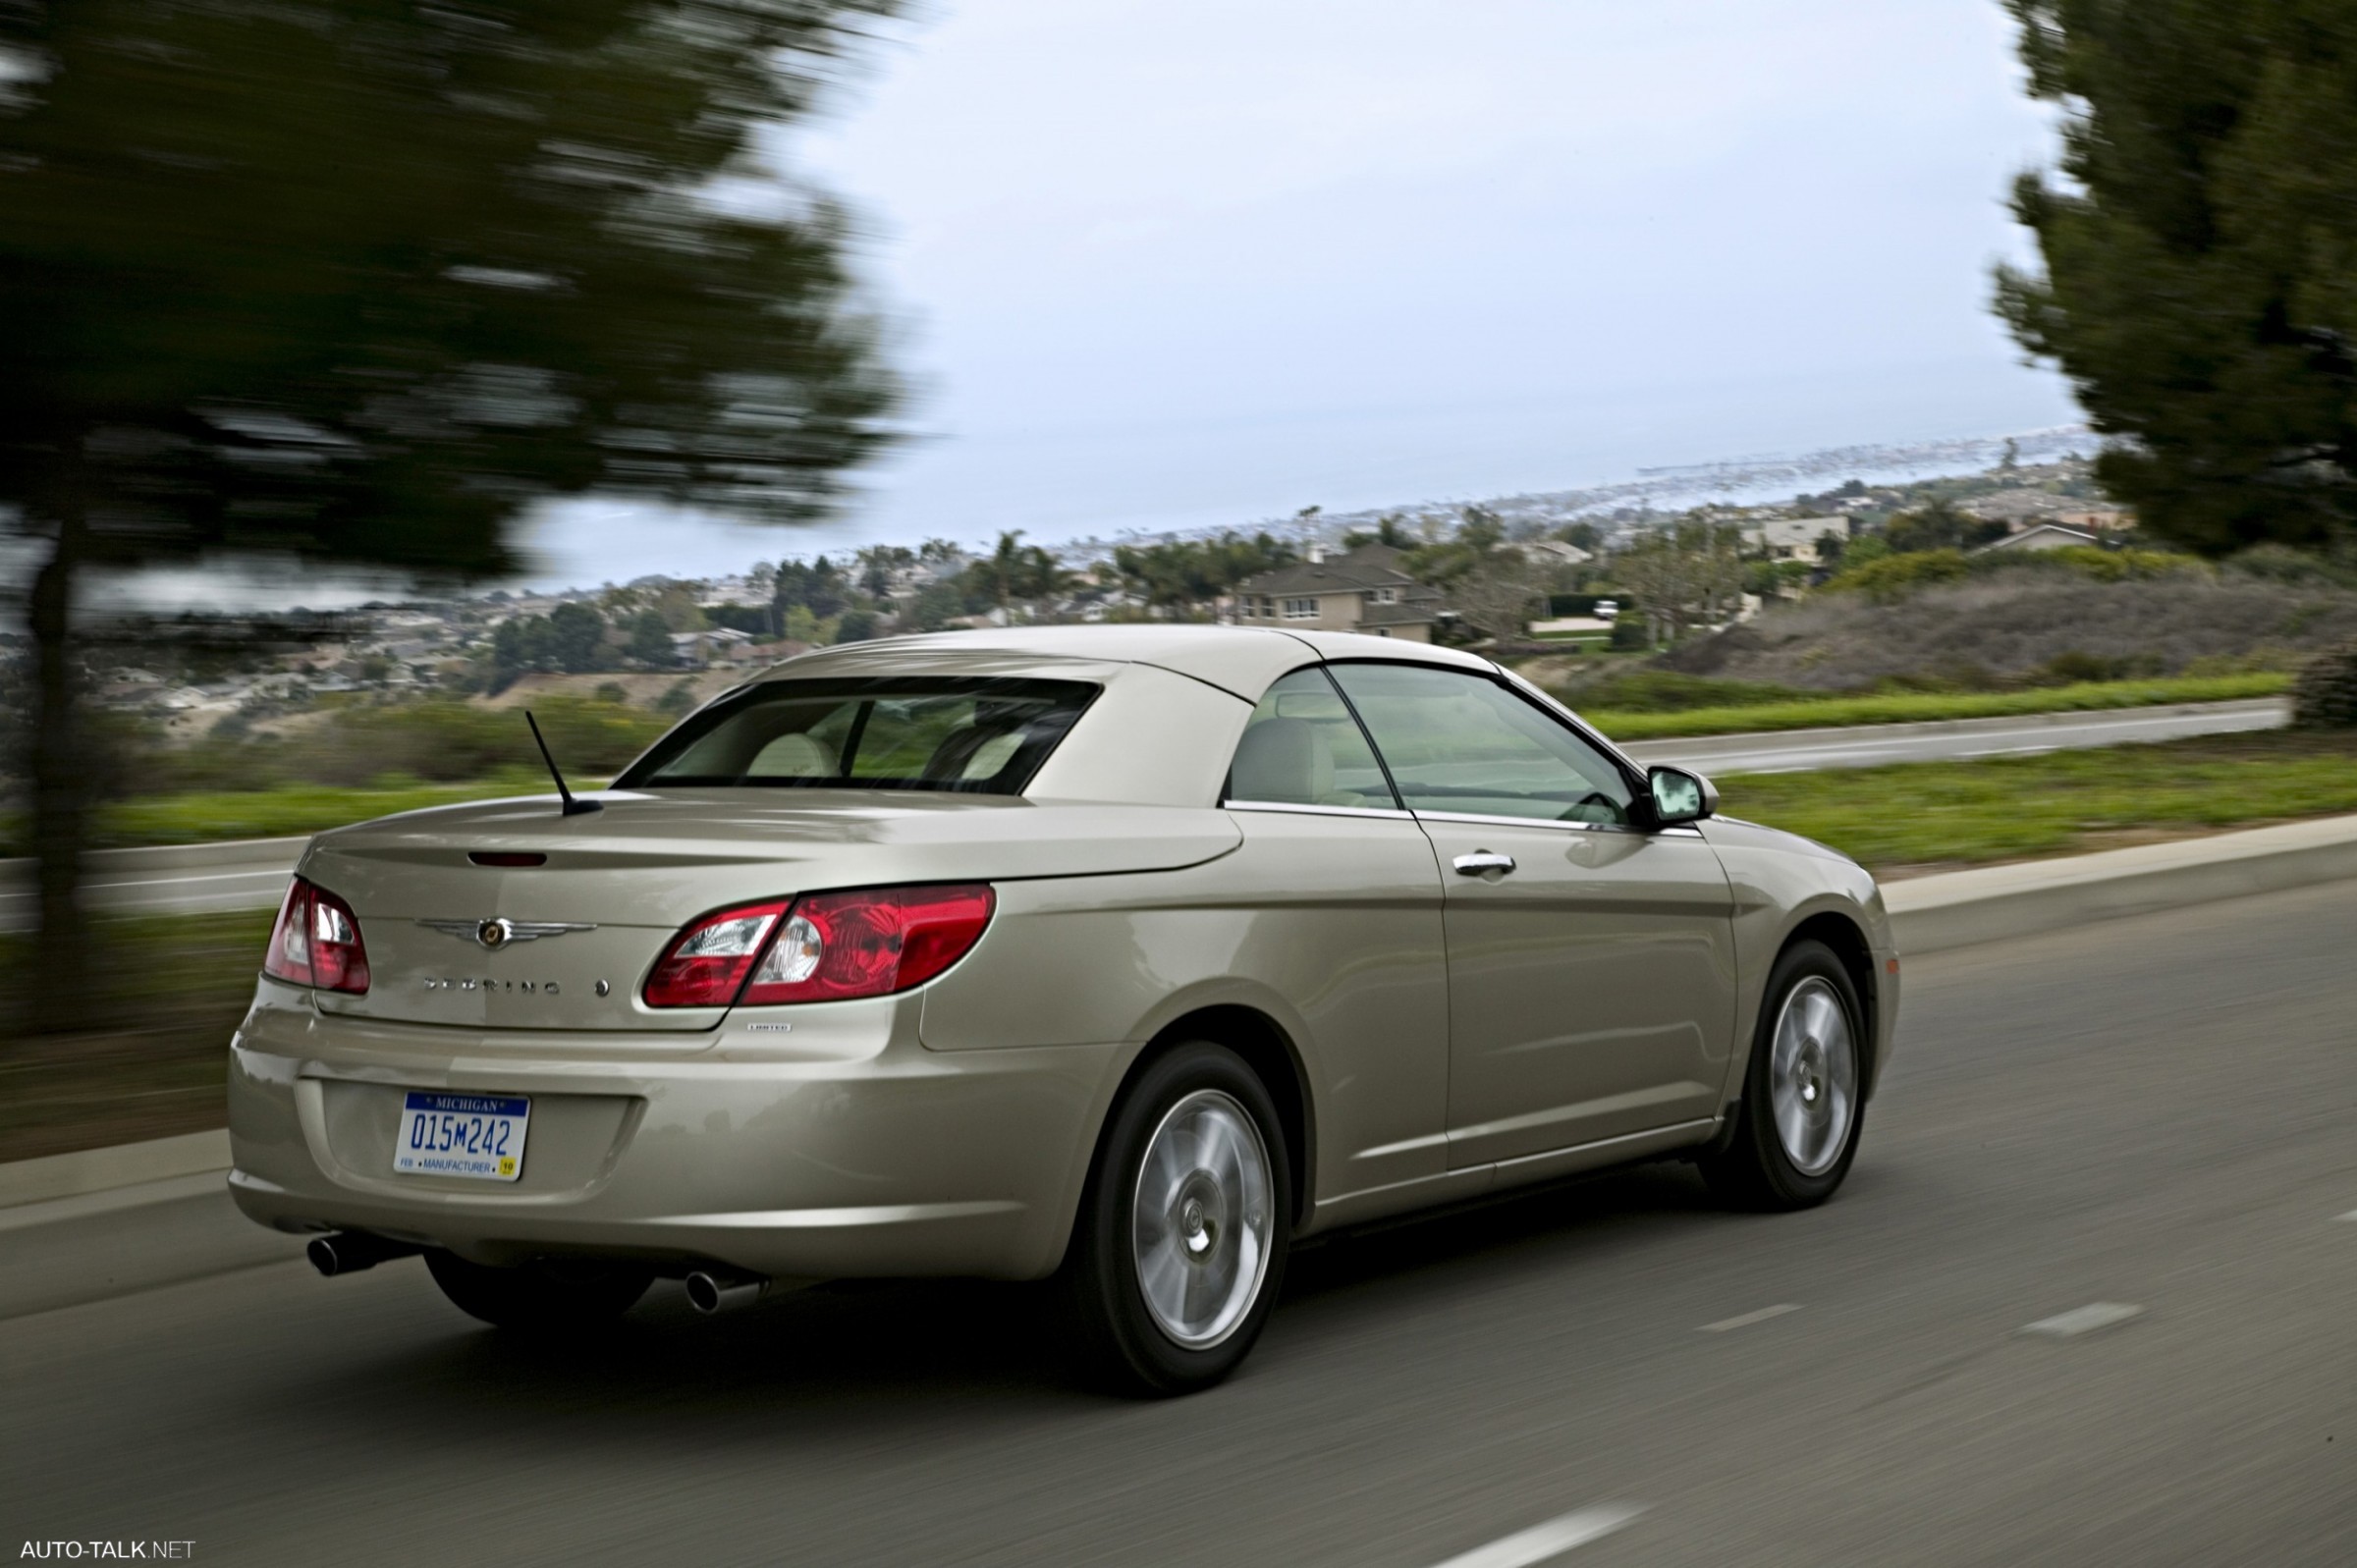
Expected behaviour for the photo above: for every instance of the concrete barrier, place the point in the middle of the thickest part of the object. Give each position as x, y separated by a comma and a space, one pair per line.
177, 857
1960, 909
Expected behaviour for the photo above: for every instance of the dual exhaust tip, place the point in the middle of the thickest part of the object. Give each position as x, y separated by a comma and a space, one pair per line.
710, 1291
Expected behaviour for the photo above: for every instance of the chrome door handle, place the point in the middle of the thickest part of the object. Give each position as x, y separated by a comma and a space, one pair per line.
1473, 865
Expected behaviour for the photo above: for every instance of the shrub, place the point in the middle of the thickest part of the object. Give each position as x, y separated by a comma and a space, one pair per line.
2274, 563
1894, 577
1864, 551
2326, 695
2093, 562
2076, 665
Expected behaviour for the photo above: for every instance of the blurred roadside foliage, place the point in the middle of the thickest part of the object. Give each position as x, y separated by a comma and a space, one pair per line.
358, 284
2197, 239
249, 780
437, 741
145, 1057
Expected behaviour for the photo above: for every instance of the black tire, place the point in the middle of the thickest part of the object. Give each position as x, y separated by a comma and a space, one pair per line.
551, 1297
1124, 1345
1754, 1168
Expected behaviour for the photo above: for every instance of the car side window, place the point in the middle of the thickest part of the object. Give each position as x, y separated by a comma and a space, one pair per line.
1304, 748
1456, 742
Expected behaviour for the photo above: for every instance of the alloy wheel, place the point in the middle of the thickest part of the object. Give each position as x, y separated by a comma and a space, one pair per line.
1199, 1228
1813, 1073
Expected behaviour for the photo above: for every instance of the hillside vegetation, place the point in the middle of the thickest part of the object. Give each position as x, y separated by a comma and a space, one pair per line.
2027, 627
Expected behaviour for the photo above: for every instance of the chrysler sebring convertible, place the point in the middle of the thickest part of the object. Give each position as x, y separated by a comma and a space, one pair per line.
1125, 955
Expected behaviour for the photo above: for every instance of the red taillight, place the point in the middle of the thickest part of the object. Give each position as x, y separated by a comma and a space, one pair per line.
831, 947
705, 965
836, 946
317, 942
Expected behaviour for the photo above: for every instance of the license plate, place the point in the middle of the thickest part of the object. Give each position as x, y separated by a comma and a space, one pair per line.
462, 1135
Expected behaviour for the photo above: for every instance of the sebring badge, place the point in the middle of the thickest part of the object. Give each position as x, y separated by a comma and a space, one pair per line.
500, 932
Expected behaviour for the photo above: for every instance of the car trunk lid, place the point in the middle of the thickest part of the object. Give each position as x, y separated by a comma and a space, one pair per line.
505, 914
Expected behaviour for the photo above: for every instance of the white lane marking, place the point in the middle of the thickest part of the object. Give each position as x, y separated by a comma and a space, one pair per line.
1749, 1318
2083, 1319
1542, 1542
2351, 1216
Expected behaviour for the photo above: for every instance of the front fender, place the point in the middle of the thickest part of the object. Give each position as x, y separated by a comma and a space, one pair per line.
1783, 883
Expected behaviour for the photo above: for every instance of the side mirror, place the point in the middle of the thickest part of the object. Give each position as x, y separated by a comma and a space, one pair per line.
1679, 797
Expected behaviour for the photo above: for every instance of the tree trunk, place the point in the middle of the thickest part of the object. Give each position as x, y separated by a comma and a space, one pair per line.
60, 793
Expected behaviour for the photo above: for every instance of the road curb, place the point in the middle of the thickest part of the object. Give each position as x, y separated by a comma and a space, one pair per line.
107, 1221
1962, 908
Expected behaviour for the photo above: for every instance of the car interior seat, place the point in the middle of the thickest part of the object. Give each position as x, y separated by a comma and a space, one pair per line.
1286, 762
794, 756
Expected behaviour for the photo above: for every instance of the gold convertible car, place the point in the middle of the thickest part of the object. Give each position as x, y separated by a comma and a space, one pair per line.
1124, 954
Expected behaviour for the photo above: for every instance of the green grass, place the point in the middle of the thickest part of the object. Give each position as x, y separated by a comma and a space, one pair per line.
1915, 707
2062, 803
207, 816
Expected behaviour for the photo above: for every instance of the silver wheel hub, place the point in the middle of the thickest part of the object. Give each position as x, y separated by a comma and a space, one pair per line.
1199, 1230
1812, 1076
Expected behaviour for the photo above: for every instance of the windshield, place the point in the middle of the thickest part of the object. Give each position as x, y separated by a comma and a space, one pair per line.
981, 736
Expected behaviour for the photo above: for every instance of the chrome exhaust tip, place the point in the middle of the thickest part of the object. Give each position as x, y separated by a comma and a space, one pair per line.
347, 1252
718, 1290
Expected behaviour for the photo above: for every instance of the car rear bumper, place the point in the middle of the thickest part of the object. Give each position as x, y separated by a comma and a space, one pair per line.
843, 1148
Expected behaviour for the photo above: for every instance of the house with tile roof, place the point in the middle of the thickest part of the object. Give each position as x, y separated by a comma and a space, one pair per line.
1362, 591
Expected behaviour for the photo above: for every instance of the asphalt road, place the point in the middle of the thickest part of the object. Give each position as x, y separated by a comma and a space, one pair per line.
2154, 1114
242, 877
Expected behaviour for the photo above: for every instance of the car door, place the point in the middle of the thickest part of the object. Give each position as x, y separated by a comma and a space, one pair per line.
1591, 964
1342, 906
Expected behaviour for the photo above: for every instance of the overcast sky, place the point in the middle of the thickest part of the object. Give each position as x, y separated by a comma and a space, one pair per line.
1161, 264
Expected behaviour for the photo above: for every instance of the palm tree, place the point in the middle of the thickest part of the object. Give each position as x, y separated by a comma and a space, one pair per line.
1005, 568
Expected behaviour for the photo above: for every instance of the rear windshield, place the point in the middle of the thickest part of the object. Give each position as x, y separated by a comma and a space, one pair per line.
977, 734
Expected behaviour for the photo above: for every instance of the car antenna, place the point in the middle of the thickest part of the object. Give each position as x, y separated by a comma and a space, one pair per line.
573, 805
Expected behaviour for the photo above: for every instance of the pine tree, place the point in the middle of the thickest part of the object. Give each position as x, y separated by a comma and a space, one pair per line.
2199, 248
